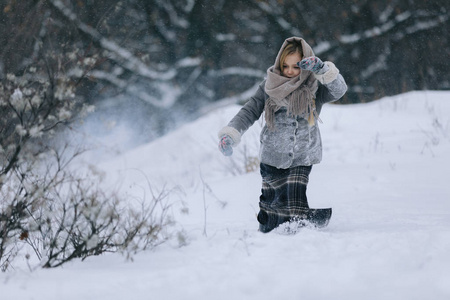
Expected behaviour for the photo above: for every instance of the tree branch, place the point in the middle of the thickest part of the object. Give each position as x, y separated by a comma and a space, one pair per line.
118, 54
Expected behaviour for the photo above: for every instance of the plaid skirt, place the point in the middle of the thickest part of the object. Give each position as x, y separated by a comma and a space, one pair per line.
283, 195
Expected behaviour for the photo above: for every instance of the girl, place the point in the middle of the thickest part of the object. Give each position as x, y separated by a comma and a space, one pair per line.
292, 95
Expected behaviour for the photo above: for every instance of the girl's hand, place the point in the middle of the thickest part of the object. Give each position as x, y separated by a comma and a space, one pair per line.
225, 145
313, 64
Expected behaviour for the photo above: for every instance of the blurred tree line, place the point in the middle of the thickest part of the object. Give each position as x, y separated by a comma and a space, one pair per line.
160, 58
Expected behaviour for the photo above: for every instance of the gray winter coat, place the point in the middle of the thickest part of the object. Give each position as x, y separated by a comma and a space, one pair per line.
293, 142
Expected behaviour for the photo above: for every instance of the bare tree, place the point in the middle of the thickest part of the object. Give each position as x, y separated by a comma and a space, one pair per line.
171, 58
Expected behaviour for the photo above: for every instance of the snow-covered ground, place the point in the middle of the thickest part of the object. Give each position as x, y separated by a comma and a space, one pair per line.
385, 172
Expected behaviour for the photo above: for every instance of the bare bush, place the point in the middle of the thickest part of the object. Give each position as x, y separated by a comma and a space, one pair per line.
46, 205
81, 220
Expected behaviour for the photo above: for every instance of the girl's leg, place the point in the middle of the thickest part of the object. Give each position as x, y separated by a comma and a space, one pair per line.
283, 192
272, 194
297, 185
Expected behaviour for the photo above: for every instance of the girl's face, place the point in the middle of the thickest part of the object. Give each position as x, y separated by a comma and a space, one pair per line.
290, 68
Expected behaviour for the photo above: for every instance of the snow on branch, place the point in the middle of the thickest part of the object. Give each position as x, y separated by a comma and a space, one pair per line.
168, 97
323, 47
188, 62
377, 65
168, 33
226, 37
238, 71
389, 25
231, 100
383, 29
375, 31
279, 19
118, 54
172, 13
419, 26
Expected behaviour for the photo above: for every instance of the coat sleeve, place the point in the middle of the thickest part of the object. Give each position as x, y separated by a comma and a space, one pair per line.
332, 87
246, 116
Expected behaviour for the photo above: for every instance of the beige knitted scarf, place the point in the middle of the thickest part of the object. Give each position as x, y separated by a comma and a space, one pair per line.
296, 93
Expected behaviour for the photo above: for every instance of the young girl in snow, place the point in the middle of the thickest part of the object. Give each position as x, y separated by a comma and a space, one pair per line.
292, 95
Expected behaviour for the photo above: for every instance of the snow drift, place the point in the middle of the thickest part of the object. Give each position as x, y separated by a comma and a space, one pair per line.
385, 173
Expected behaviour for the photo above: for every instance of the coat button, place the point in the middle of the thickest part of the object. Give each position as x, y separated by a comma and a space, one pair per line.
291, 154
292, 138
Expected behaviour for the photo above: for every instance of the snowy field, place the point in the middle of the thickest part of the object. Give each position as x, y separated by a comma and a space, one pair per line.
385, 173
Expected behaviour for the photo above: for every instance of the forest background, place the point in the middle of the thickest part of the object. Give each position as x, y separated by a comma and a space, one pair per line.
166, 62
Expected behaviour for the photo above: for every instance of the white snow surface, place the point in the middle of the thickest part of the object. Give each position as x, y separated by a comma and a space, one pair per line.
385, 172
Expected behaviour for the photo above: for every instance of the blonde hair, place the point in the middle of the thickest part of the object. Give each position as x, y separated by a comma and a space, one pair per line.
291, 48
